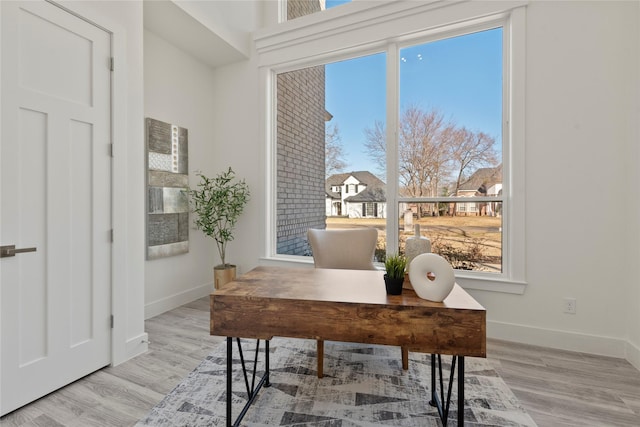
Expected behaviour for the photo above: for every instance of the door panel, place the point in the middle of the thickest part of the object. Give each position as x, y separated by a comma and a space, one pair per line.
55, 195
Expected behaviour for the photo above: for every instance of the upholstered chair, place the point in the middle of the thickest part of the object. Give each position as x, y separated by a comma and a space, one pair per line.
351, 249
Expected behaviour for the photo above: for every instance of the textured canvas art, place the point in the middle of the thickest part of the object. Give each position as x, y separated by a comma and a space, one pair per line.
364, 385
167, 185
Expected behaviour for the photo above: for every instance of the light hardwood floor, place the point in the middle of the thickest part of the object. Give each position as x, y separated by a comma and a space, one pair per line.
557, 388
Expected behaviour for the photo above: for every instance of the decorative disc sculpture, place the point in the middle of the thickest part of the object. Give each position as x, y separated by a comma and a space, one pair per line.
431, 276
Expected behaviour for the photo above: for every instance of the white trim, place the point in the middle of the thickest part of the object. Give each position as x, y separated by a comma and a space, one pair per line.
632, 354
393, 112
488, 283
137, 345
176, 300
291, 261
514, 188
563, 340
358, 25
268, 130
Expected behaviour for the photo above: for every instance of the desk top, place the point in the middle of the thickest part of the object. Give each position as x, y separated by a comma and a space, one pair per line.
341, 286
346, 305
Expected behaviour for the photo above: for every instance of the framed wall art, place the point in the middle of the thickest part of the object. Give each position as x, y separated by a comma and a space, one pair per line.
167, 189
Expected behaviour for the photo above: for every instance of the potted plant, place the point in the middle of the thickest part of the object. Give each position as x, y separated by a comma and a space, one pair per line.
395, 266
217, 203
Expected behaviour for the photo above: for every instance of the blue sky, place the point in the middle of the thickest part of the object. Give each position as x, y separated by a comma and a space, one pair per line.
461, 77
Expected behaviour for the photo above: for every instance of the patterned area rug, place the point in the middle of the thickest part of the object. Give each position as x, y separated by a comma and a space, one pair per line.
363, 385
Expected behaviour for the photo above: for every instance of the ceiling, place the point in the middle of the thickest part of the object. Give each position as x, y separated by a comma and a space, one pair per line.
174, 24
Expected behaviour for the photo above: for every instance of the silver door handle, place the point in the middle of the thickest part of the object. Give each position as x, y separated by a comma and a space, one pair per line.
10, 250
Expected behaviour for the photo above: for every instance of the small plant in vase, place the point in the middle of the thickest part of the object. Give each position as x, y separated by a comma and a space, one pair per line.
395, 266
218, 203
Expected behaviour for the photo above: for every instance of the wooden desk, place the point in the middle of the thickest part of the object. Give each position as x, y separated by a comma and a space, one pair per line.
351, 306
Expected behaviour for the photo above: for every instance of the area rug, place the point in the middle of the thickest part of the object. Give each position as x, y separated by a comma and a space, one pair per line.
363, 385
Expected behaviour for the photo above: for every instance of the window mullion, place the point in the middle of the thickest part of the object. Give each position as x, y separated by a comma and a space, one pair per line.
393, 101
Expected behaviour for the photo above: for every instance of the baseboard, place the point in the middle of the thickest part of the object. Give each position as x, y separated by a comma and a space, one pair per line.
136, 346
169, 303
563, 340
633, 354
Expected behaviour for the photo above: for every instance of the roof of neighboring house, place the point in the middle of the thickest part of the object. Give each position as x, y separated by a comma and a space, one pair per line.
375, 186
486, 176
376, 194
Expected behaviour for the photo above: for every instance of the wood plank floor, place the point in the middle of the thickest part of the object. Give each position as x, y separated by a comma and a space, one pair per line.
557, 388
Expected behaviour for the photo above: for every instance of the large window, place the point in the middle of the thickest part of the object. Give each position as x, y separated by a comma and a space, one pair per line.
429, 140
324, 176
450, 147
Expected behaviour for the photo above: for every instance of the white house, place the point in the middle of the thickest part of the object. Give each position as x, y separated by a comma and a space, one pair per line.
356, 195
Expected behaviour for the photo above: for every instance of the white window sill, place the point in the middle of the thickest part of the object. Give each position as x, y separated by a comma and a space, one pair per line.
466, 280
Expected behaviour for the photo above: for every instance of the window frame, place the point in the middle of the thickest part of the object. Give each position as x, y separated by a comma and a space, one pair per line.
278, 53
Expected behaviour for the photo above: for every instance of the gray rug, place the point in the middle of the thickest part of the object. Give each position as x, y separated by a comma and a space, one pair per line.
364, 385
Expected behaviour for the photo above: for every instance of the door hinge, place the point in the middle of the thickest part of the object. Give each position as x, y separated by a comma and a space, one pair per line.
111, 61
112, 321
111, 235
111, 149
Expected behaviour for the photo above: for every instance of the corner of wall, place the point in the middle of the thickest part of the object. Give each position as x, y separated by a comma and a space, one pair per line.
632, 354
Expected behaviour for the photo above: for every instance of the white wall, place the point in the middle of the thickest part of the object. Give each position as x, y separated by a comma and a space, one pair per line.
179, 89
582, 84
236, 122
218, 108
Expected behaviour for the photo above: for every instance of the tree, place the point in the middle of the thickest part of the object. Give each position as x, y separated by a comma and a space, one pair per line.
431, 152
334, 151
376, 146
470, 150
422, 151
422, 156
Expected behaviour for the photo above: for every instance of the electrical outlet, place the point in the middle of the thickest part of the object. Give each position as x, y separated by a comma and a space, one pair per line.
570, 305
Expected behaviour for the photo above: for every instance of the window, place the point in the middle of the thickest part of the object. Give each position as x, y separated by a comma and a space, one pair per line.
297, 8
317, 107
449, 146
462, 179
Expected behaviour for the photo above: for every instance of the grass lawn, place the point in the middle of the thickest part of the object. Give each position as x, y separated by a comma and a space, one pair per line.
475, 238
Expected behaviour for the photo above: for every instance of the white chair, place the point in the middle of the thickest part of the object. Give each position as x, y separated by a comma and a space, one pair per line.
351, 249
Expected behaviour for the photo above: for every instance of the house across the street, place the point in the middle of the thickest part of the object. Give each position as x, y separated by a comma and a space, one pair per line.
483, 182
356, 195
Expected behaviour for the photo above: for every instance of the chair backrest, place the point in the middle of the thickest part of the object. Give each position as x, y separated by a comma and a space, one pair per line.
347, 249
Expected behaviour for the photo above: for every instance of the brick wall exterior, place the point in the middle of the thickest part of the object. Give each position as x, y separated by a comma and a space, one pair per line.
300, 161
300, 169
297, 8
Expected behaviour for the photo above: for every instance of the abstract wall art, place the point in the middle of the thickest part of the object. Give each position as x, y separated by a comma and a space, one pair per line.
167, 189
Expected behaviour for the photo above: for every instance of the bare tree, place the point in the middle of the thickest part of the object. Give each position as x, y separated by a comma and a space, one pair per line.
431, 152
423, 154
470, 150
334, 151
376, 146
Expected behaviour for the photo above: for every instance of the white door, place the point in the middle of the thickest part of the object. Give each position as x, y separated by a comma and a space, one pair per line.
55, 196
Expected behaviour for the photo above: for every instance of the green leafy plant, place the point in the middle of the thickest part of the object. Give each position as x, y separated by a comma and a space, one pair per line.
218, 203
395, 266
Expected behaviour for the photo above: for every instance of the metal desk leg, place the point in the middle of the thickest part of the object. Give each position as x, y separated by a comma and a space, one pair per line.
443, 402
252, 390
229, 377
460, 391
